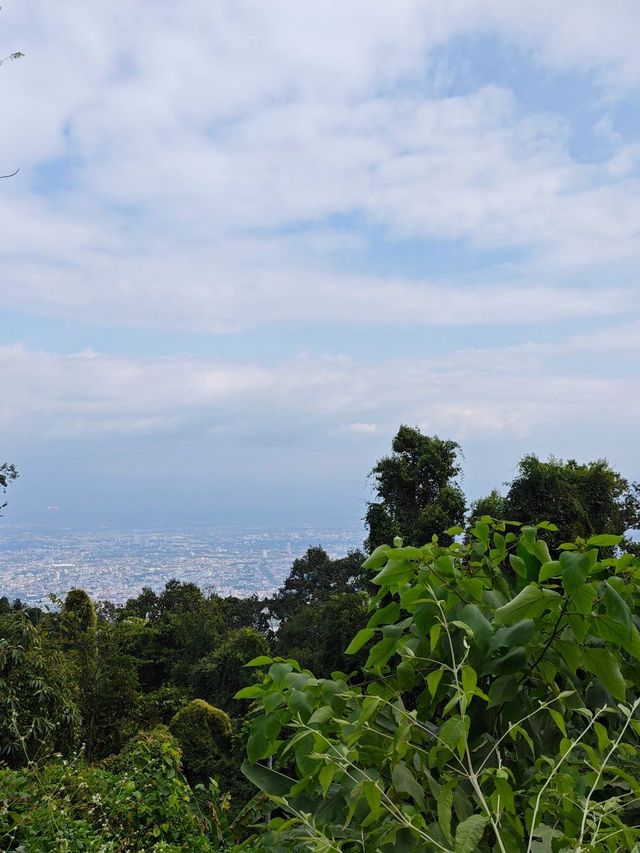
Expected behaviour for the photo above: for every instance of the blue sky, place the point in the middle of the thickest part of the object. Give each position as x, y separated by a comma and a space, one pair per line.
248, 240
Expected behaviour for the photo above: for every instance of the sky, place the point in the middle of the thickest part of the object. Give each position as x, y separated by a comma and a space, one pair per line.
249, 239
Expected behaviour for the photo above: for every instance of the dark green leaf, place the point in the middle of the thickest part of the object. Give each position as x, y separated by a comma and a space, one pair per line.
469, 833
605, 665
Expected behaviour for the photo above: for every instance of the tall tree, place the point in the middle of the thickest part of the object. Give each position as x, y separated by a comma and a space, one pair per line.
581, 499
418, 494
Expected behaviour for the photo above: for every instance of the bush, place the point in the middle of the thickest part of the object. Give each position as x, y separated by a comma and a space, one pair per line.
140, 802
204, 735
497, 709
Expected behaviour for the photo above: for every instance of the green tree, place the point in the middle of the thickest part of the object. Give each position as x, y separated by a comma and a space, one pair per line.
315, 577
38, 714
582, 499
418, 494
218, 676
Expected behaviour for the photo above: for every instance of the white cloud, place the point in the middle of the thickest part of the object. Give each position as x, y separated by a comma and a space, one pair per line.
191, 128
467, 392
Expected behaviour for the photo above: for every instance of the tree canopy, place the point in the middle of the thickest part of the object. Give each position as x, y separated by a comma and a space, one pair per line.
418, 493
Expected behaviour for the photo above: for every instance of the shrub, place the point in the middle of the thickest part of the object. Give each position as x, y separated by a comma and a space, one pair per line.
204, 735
140, 802
497, 709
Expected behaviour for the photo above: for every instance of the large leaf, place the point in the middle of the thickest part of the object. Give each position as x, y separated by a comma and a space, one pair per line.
469, 833
605, 540
472, 616
394, 572
361, 639
605, 665
518, 634
575, 568
268, 780
405, 782
530, 603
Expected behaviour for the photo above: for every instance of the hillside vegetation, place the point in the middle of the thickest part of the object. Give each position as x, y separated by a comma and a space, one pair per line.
473, 686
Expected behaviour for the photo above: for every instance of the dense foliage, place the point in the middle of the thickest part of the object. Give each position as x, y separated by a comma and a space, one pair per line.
477, 692
418, 494
497, 709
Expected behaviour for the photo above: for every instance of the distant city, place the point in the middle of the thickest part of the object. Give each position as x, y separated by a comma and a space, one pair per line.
114, 565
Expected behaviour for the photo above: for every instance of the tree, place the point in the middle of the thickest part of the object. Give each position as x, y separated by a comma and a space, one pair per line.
581, 499
315, 577
37, 711
8, 474
218, 676
417, 490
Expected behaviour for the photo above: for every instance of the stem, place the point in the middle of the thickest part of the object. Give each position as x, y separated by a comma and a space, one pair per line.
614, 746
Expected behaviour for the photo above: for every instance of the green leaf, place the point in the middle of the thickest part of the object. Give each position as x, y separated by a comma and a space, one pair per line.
604, 540
503, 689
617, 609
394, 572
267, 780
605, 665
549, 570
321, 715
558, 719
469, 679
405, 783
474, 587
262, 736
251, 692
381, 652
445, 803
575, 568
541, 550
479, 624
515, 635
361, 639
385, 615
531, 602
518, 565
469, 833
583, 598
513, 661
261, 660
300, 704
325, 777
452, 732
378, 558
433, 680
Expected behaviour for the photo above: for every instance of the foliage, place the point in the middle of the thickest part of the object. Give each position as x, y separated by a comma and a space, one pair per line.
140, 802
204, 735
78, 613
317, 634
582, 499
37, 712
221, 673
315, 577
417, 490
497, 709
